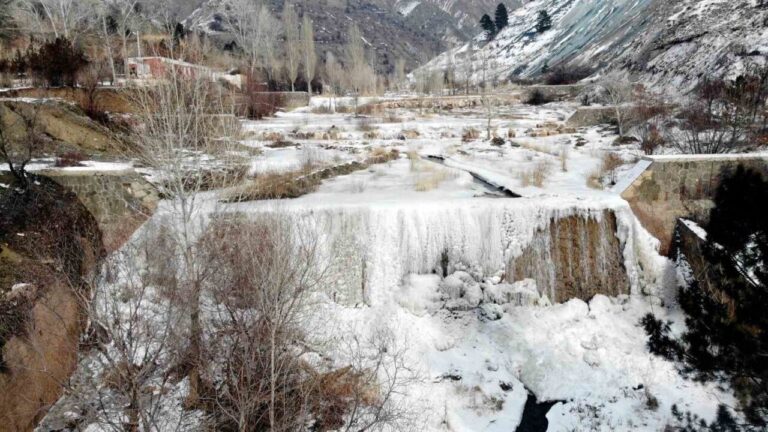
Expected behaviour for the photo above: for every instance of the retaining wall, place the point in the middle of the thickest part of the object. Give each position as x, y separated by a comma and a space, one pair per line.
671, 187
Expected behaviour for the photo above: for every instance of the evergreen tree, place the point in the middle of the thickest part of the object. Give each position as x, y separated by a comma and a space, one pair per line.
502, 17
178, 33
727, 330
488, 26
544, 22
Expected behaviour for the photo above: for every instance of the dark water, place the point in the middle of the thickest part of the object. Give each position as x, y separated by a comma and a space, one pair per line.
492, 189
535, 415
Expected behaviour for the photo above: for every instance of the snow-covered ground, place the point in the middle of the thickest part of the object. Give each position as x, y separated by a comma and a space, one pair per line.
476, 364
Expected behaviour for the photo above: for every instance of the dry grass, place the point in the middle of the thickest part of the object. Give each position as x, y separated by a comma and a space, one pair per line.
537, 175
538, 148
366, 124
321, 109
429, 175
272, 136
608, 166
595, 179
415, 160
392, 118
431, 180
611, 162
469, 134
310, 157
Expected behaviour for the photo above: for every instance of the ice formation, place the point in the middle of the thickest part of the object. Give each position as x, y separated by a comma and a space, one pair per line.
370, 249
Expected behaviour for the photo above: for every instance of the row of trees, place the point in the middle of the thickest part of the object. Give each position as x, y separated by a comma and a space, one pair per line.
55, 63
271, 49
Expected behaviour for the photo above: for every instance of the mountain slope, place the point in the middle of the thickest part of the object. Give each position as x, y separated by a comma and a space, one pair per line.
415, 30
668, 44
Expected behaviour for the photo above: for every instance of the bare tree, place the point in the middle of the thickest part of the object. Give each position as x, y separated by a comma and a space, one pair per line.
64, 17
400, 78
267, 267
292, 48
335, 76
469, 66
102, 12
253, 27
617, 92
134, 317
186, 138
18, 151
124, 13
382, 373
358, 70
488, 100
450, 73
308, 48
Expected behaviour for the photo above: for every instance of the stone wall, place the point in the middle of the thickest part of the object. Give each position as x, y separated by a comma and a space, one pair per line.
672, 187
119, 200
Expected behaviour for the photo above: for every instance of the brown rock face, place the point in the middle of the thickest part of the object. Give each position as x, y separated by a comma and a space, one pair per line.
67, 127
49, 244
38, 362
574, 257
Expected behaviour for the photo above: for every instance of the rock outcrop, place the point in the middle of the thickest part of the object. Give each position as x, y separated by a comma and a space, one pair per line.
65, 126
49, 247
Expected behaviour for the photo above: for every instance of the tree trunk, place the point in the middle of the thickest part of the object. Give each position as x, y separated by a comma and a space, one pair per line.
110, 57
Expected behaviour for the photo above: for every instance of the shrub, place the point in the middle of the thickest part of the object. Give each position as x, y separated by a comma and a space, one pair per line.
497, 141
651, 139
470, 134
611, 161
537, 97
571, 75
537, 175
365, 124
57, 63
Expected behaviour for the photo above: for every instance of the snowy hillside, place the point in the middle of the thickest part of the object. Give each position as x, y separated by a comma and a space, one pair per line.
666, 43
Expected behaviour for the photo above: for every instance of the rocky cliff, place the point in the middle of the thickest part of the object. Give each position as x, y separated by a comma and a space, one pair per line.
49, 246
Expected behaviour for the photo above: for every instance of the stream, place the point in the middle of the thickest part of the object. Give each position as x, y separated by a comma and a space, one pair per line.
493, 189
535, 414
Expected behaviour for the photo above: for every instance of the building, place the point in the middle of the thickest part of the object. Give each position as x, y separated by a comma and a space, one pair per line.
160, 67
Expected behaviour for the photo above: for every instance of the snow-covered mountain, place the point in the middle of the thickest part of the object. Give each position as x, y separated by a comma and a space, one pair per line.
666, 43
415, 30
465, 13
